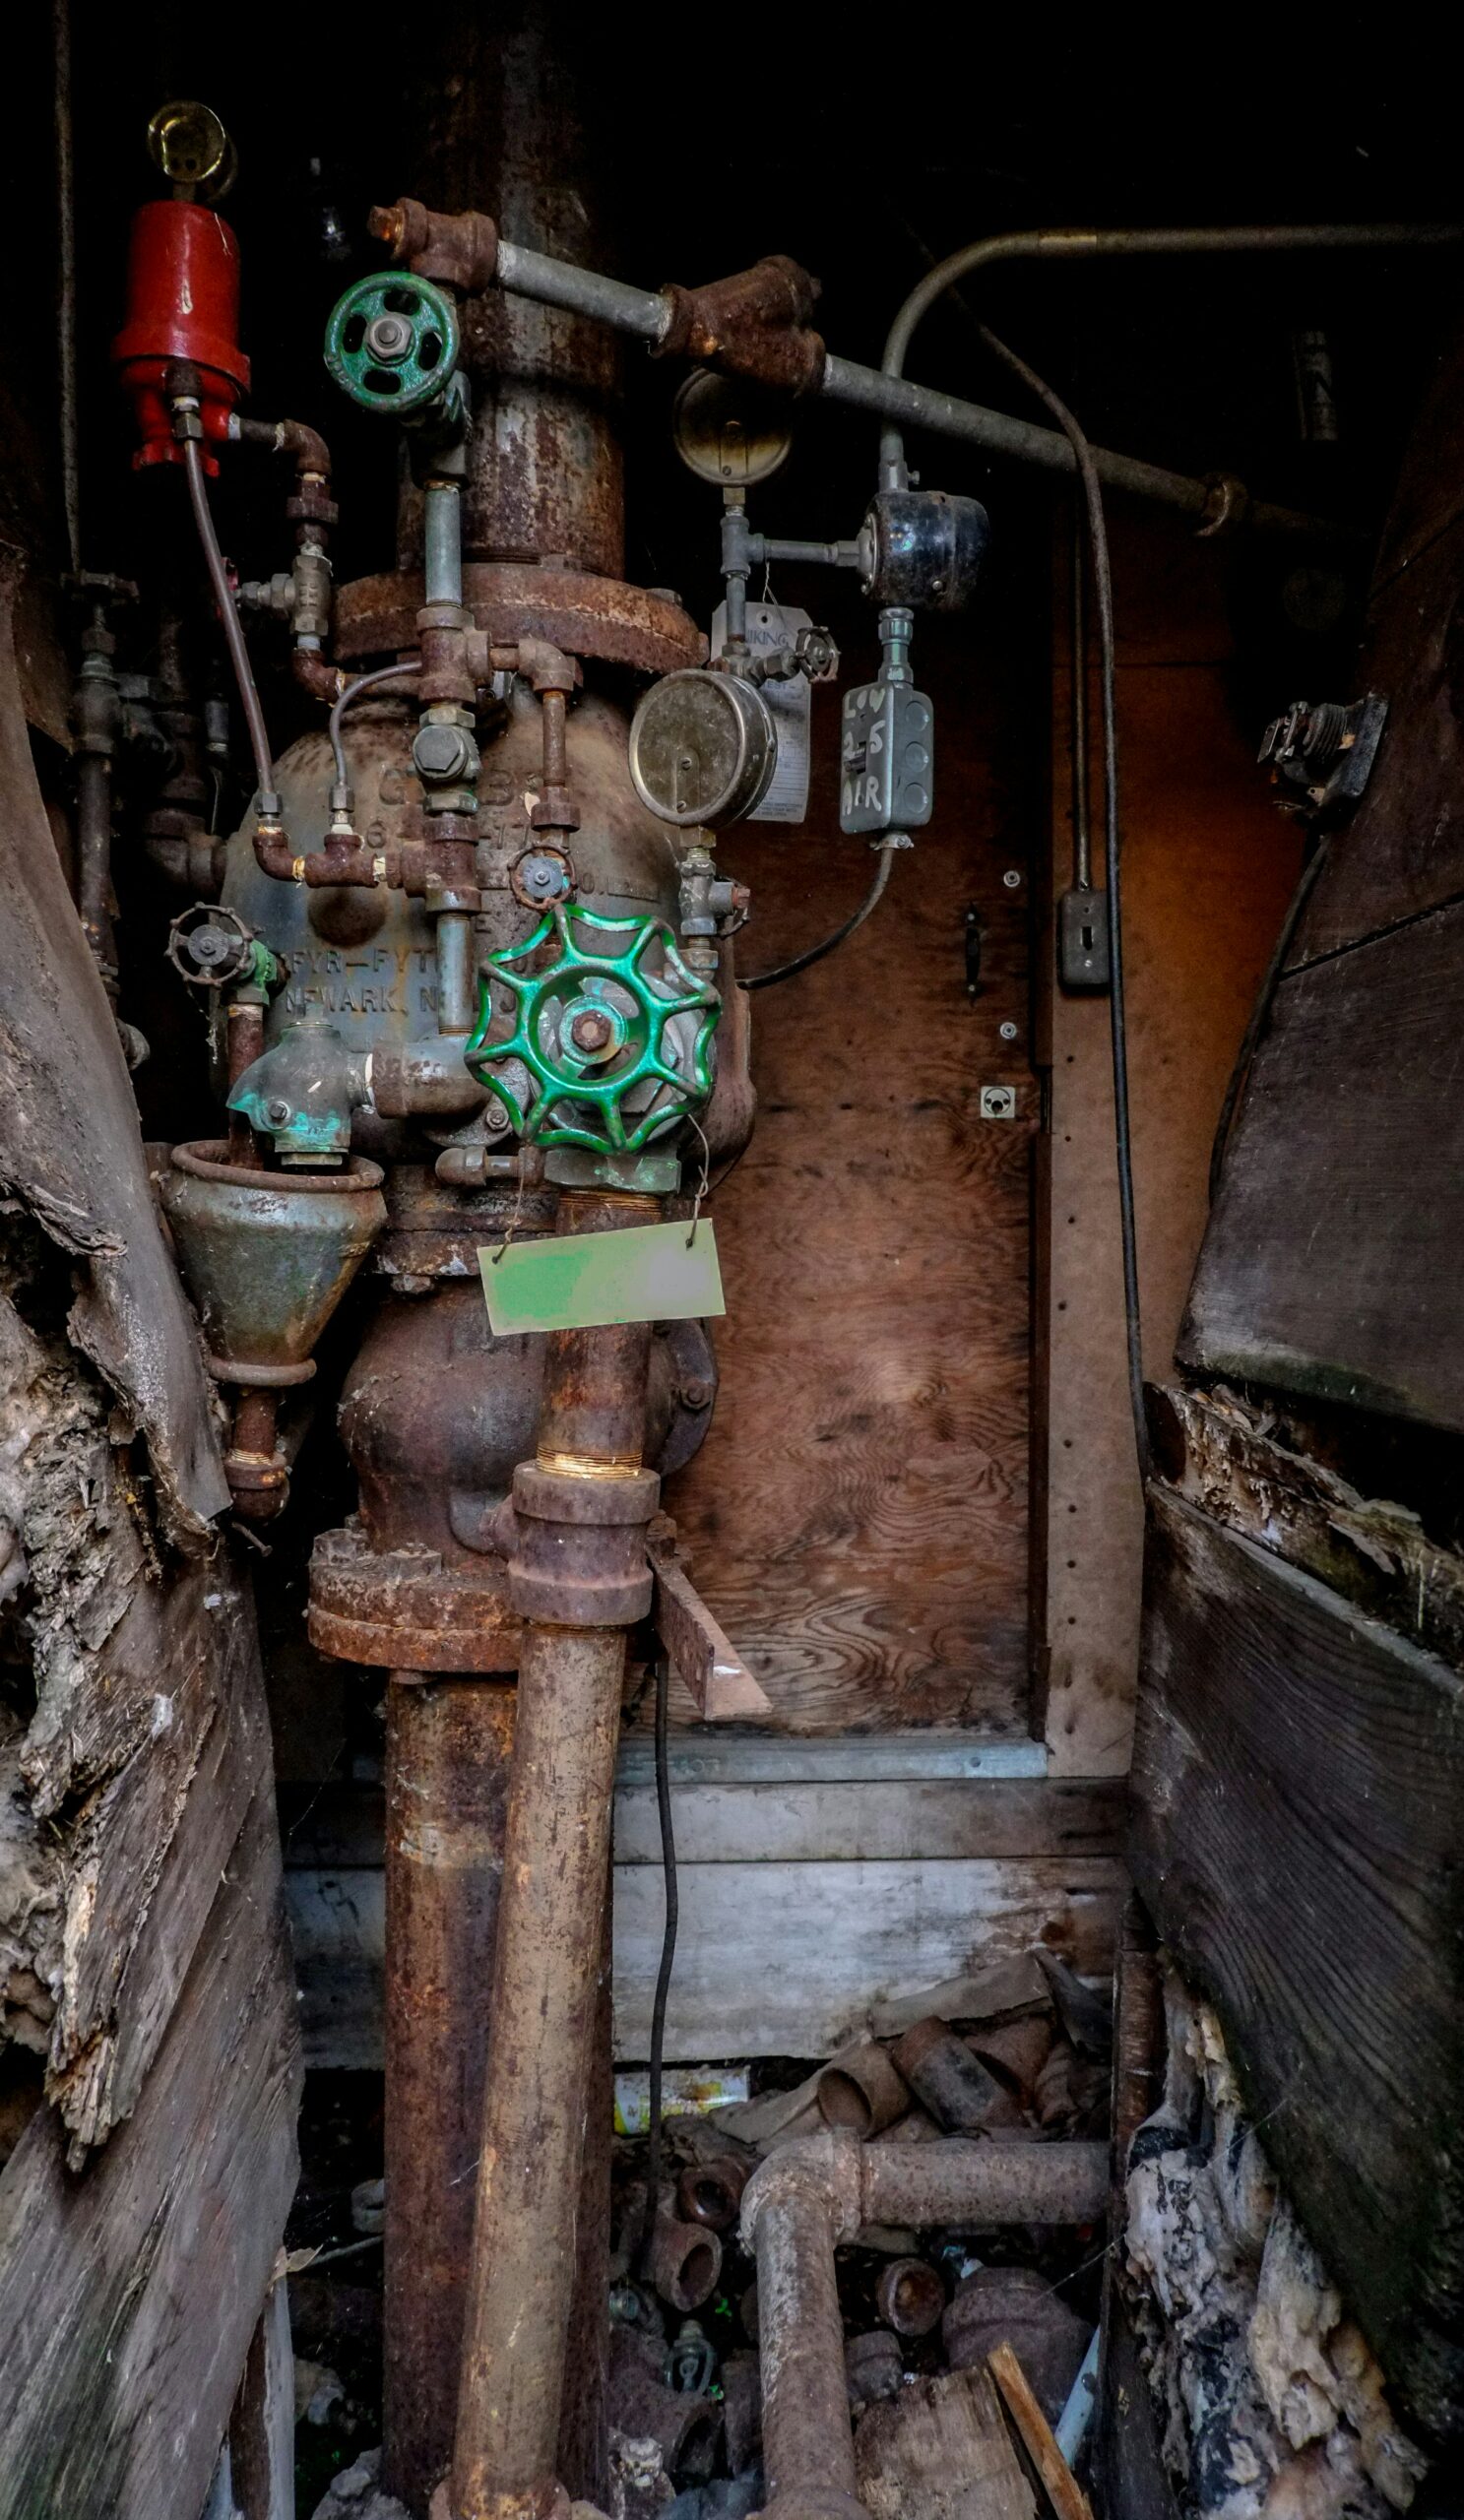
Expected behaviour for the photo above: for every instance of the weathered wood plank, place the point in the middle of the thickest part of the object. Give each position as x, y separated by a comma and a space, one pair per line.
128, 2294
858, 1517
1299, 1785
772, 1958
1208, 869
1215, 1452
1331, 1266
812, 1822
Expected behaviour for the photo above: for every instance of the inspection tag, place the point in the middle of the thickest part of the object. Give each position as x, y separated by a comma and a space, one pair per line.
586, 1280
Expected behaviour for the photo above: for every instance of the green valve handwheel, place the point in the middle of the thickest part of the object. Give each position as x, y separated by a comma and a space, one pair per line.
612, 1043
392, 342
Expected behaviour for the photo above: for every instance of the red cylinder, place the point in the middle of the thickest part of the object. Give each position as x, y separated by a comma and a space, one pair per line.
182, 303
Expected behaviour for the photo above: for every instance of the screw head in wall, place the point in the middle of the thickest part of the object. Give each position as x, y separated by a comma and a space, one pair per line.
1008, 1031
1012, 878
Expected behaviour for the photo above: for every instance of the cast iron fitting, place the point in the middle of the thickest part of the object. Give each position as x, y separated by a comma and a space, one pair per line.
683, 2262
864, 2092
711, 2193
909, 2297
459, 249
424, 1078
755, 324
579, 1546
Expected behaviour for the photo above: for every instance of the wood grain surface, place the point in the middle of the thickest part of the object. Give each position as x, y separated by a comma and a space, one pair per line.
857, 1518
1331, 1266
1299, 1783
1209, 865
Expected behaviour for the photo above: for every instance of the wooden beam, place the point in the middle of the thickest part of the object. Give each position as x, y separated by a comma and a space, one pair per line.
1299, 1837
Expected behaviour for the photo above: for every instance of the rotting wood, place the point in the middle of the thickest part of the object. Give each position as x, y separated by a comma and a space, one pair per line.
149, 1734
1060, 2485
261, 2428
128, 2297
940, 2451
1298, 1784
1217, 1453
70, 1146
1331, 1263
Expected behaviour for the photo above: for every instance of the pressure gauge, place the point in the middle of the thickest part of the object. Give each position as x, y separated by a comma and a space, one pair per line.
703, 748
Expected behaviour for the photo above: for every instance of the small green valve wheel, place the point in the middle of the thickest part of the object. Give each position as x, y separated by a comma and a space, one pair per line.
612, 1043
392, 342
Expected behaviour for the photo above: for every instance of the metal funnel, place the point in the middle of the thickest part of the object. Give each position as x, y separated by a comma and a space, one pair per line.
267, 1256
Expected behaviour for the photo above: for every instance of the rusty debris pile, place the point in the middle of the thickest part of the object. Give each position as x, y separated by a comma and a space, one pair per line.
1271, 2403
1010, 2065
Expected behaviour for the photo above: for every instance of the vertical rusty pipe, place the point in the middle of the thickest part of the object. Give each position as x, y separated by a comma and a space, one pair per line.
547, 1969
808, 2444
245, 1045
545, 1984
584, 2440
449, 1742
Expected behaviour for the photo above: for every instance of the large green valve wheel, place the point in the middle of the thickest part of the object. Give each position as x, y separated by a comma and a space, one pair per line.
612, 1043
392, 342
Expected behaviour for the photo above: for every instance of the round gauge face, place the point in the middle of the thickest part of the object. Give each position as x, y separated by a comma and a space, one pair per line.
729, 431
702, 748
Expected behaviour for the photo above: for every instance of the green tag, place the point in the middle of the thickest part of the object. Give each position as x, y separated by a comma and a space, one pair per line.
585, 1281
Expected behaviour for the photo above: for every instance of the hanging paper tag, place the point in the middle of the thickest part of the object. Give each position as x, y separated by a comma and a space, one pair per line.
587, 1281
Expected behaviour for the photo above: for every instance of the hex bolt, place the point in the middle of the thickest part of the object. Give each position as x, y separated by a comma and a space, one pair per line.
591, 1031
389, 339
1012, 878
440, 752
276, 1112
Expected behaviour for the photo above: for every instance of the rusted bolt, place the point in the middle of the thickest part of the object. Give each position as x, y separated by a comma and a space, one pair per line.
696, 1395
276, 1112
591, 1031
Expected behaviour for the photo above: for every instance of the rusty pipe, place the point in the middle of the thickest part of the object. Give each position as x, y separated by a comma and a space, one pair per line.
521, 2275
587, 1483
814, 2195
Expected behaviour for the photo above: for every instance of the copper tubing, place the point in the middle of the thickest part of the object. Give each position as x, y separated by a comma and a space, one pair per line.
545, 1975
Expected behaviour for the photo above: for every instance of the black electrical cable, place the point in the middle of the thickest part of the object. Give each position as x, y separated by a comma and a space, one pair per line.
668, 1940
1260, 1011
816, 953
1102, 586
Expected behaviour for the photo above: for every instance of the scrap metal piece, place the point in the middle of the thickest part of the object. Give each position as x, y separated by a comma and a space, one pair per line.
701, 1658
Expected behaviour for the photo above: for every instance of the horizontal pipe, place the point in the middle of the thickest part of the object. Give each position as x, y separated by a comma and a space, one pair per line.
814, 2195
645, 314
642, 312
1087, 244
895, 399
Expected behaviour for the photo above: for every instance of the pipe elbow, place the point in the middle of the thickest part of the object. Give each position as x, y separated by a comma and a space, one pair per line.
274, 854
321, 680
826, 2171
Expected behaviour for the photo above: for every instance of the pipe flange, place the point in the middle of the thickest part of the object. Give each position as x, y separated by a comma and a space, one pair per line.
259, 1378
512, 600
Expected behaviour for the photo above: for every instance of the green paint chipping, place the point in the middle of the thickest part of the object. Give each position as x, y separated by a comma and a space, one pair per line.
587, 1281
392, 342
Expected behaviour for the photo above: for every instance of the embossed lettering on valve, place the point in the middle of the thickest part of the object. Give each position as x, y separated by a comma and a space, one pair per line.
361, 979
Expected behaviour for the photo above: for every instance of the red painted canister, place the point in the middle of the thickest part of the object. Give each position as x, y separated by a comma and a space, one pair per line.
182, 303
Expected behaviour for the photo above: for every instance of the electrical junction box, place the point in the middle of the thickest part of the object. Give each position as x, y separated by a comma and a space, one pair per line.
886, 771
